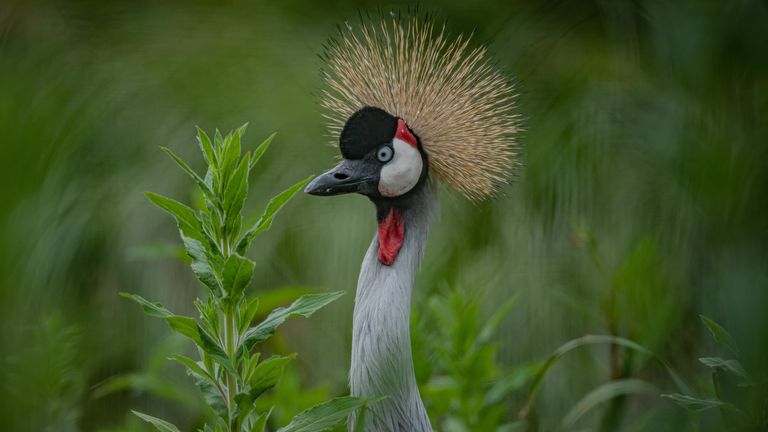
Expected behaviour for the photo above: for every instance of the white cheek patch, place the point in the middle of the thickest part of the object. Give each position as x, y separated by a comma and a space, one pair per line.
402, 173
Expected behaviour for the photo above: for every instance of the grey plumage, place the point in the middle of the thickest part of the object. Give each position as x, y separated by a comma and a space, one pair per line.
382, 363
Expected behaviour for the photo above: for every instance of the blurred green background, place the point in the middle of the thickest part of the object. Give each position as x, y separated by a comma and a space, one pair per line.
641, 205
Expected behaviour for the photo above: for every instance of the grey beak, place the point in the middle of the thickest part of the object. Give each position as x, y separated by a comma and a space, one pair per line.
349, 176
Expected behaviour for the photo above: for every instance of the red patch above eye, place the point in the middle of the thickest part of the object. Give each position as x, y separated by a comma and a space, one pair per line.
404, 134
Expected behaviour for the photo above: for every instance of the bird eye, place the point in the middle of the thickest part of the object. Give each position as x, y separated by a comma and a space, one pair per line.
384, 154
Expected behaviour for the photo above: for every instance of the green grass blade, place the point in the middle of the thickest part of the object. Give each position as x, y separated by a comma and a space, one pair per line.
593, 340
603, 393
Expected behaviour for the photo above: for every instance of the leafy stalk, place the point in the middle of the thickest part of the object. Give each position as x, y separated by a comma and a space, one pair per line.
230, 373
740, 399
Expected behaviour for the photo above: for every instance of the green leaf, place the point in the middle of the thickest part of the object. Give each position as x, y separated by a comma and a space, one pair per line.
207, 148
199, 180
720, 335
186, 326
209, 220
208, 361
235, 194
360, 419
211, 346
206, 383
248, 366
247, 314
489, 328
159, 424
324, 416
209, 315
603, 393
201, 265
190, 328
151, 309
304, 306
212, 395
185, 217
212, 180
733, 367
514, 380
260, 424
695, 404
241, 130
283, 296
238, 272
230, 155
268, 373
265, 221
264, 377
192, 366
261, 149
218, 141
586, 341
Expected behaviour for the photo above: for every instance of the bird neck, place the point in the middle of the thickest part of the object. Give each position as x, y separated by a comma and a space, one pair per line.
382, 363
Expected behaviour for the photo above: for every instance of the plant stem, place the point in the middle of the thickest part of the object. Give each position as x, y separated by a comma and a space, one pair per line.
229, 339
229, 335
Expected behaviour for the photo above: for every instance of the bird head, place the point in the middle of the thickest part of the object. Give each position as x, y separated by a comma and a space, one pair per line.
382, 158
405, 101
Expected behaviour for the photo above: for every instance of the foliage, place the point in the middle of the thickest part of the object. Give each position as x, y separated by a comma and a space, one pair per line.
607, 392
464, 386
740, 400
230, 373
466, 389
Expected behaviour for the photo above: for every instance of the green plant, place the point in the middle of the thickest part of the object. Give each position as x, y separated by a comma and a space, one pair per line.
739, 398
603, 393
464, 386
637, 307
230, 373
467, 389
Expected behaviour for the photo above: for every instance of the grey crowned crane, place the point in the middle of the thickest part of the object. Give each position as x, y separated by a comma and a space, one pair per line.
409, 105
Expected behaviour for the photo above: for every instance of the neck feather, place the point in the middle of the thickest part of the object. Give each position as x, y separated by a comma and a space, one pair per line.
382, 363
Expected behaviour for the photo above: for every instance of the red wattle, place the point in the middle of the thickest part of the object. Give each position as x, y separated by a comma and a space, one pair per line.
391, 235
